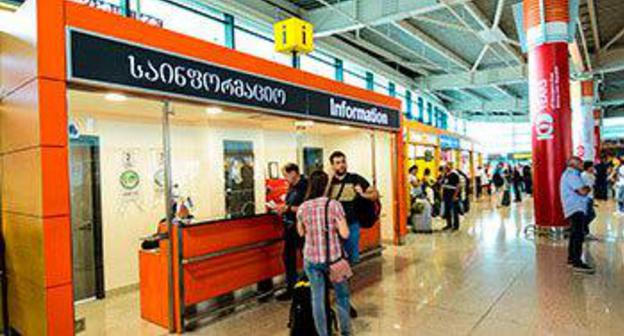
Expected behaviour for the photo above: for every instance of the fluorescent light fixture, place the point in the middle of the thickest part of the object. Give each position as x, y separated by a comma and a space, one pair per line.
304, 123
115, 97
213, 110
344, 127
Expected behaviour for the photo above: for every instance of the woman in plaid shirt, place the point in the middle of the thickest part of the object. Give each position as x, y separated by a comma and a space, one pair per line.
311, 225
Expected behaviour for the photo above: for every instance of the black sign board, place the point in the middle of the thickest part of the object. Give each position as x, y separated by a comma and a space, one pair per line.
108, 61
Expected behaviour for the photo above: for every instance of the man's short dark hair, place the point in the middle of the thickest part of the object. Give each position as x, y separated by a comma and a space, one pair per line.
336, 155
587, 165
291, 167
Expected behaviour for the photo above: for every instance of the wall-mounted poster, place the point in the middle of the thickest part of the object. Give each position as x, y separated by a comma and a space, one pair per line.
312, 160
239, 178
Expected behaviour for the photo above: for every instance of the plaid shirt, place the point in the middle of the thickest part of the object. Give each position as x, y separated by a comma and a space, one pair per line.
312, 216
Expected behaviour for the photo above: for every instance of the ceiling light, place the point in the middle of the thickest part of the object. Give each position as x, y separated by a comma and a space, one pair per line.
116, 97
304, 123
213, 110
345, 127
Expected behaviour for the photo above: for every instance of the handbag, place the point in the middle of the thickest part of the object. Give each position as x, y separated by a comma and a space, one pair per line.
339, 270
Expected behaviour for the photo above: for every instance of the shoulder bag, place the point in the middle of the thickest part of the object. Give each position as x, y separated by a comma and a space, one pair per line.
339, 270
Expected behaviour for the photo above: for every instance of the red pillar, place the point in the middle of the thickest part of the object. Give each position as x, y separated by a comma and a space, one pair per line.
597, 139
549, 97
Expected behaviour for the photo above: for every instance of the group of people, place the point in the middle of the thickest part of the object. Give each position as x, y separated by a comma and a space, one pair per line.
321, 221
447, 197
503, 180
610, 177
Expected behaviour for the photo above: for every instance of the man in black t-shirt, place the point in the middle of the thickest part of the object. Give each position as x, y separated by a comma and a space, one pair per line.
450, 196
347, 187
293, 243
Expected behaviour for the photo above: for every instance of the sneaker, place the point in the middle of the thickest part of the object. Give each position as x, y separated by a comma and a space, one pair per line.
284, 296
353, 312
446, 228
584, 268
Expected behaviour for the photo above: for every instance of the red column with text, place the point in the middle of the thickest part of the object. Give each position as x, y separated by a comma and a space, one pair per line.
549, 99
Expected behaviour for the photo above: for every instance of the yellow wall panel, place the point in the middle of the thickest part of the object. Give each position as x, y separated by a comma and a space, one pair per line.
21, 185
24, 235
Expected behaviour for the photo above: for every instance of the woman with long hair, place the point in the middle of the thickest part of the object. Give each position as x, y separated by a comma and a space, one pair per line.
318, 219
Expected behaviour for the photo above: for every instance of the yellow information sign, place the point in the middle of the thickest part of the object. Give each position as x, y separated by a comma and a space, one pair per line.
294, 36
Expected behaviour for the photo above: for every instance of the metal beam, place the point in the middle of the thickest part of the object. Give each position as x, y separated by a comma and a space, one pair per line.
483, 21
476, 64
409, 64
470, 80
613, 61
357, 14
498, 105
584, 42
594, 23
433, 44
613, 40
505, 91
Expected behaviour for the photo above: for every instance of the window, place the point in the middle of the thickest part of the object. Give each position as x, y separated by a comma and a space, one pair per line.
314, 64
258, 46
198, 21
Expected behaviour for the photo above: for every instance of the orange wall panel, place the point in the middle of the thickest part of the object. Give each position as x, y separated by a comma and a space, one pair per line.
51, 39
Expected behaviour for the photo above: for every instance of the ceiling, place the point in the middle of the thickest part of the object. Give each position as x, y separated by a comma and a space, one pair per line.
465, 52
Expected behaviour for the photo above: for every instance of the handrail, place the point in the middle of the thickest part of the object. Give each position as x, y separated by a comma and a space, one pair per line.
231, 250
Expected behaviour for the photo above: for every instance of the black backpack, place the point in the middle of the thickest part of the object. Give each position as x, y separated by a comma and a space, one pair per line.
301, 320
367, 212
498, 180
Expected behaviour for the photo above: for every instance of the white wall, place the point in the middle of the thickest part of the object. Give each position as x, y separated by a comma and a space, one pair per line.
197, 157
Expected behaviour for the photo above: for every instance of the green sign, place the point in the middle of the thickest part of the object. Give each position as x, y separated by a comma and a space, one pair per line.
129, 179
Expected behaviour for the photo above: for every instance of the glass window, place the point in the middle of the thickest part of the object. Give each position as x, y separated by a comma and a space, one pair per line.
255, 45
207, 26
354, 79
313, 64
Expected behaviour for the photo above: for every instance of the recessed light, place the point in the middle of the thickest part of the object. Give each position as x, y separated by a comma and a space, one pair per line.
116, 97
213, 110
344, 127
304, 123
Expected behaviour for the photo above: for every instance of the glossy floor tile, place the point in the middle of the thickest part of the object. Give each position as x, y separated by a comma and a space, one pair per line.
490, 278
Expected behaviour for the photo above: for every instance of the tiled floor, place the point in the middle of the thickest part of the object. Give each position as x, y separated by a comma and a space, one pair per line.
487, 279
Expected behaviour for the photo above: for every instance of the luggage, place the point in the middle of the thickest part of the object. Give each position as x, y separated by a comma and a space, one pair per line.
421, 220
301, 320
506, 198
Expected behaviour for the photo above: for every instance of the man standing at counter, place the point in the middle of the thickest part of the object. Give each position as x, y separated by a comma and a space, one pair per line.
347, 187
297, 188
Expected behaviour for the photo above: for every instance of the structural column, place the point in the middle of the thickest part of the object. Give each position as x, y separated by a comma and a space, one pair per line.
583, 120
546, 27
597, 137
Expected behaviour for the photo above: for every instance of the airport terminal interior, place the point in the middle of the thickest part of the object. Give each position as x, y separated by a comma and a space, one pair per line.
311, 167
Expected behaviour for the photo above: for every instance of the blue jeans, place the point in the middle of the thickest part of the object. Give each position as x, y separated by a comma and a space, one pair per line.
317, 273
620, 198
352, 244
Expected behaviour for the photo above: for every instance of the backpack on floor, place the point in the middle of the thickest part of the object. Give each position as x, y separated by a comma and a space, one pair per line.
301, 320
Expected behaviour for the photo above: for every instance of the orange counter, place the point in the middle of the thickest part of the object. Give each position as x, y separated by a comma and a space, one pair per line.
216, 258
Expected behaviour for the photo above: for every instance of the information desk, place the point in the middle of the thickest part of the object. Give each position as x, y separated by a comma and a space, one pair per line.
216, 258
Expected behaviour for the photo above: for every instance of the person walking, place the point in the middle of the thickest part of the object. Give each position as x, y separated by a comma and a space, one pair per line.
589, 178
527, 176
297, 188
618, 178
517, 184
450, 197
574, 200
602, 179
323, 223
